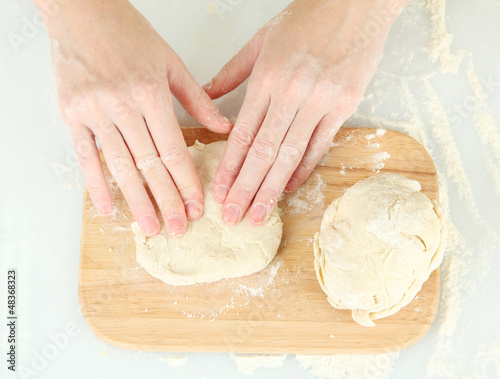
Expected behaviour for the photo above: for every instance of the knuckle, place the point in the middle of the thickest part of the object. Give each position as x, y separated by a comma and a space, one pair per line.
120, 167
103, 126
241, 137
140, 203
173, 155
115, 98
84, 151
145, 88
148, 162
71, 106
190, 188
120, 107
227, 172
291, 152
263, 151
95, 188
304, 166
244, 195
166, 200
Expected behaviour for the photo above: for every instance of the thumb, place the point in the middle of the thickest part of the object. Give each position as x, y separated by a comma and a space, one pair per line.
195, 101
237, 70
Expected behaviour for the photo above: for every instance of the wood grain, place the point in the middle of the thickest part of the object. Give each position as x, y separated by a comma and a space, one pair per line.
281, 309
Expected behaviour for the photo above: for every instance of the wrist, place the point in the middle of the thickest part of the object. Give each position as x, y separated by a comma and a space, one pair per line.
57, 14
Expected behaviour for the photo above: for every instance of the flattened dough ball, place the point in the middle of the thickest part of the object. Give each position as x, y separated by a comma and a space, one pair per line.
210, 250
378, 244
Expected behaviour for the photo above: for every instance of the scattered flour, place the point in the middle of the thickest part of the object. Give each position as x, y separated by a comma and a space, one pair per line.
343, 366
173, 360
439, 48
376, 161
485, 125
247, 364
210, 8
308, 196
225, 295
489, 355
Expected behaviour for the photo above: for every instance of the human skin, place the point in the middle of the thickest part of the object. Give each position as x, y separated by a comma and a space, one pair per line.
115, 77
308, 68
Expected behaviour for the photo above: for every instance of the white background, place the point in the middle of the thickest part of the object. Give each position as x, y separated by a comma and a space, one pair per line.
41, 187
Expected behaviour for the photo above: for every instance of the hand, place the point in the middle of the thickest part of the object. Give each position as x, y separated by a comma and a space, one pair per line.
308, 69
115, 76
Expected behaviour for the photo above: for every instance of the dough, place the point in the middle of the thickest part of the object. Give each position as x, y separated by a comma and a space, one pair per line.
210, 250
377, 245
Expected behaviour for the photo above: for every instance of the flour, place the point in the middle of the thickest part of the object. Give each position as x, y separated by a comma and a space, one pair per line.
489, 355
210, 8
485, 125
343, 366
375, 162
247, 364
307, 197
216, 299
444, 136
439, 48
173, 360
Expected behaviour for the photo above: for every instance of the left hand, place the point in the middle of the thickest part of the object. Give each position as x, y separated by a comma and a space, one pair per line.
308, 68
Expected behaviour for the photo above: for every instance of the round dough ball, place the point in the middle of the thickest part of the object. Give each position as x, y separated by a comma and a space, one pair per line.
210, 250
378, 244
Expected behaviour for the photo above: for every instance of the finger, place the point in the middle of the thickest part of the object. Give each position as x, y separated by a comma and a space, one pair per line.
195, 101
260, 158
122, 168
167, 136
90, 164
237, 69
290, 154
320, 141
252, 114
147, 161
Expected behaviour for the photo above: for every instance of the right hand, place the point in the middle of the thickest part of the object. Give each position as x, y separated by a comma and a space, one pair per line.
114, 74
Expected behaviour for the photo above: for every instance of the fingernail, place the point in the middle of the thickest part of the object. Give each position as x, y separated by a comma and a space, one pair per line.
224, 120
175, 226
149, 226
231, 214
207, 86
258, 213
291, 185
104, 208
193, 210
220, 193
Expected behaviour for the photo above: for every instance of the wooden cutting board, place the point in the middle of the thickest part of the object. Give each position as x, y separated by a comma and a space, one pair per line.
281, 309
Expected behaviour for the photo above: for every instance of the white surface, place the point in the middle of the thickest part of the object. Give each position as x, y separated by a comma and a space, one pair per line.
41, 188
